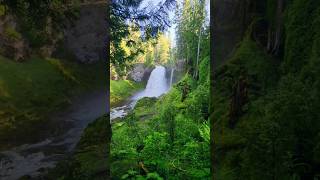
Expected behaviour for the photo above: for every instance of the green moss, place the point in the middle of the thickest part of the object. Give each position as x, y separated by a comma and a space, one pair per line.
251, 62
261, 71
282, 105
280, 121
299, 34
92, 150
2, 10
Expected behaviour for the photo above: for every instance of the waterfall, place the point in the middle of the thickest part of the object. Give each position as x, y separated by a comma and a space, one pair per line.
171, 77
157, 84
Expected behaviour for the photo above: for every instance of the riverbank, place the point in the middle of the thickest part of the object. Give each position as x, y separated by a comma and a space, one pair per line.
120, 90
32, 91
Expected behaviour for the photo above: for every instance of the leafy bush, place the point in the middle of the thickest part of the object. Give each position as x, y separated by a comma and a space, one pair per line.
12, 34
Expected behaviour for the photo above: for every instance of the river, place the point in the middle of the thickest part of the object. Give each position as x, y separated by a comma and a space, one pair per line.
28, 159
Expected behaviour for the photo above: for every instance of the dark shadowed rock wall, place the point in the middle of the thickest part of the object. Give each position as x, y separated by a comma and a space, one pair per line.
230, 20
86, 37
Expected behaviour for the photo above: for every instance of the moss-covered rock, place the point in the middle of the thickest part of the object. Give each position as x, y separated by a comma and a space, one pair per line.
145, 107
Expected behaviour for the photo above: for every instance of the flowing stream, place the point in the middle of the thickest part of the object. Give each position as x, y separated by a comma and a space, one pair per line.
156, 86
29, 159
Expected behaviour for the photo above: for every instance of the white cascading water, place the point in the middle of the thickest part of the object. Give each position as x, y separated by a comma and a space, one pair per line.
156, 86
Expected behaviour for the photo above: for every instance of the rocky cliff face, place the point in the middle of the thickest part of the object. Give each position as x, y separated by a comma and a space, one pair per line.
140, 73
86, 37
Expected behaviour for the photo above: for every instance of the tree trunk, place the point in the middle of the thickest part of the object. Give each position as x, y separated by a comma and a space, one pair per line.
198, 54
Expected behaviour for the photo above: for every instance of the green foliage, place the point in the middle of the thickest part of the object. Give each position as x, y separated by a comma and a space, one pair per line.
162, 148
301, 18
251, 62
12, 33
2, 10
145, 107
162, 50
198, 103
134, 175
190, 28
205, 132
154, 176
133, 49
35, 37
167, 116
122, 89
171, 141
276, 137
36, 17
204, 69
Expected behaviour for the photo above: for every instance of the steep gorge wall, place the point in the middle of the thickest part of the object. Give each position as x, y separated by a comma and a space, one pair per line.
86, 37
227, 28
